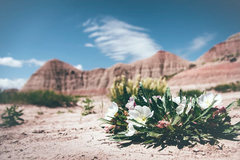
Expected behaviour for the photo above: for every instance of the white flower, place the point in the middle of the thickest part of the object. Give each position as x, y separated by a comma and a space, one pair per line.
177, 100
112, 110
131, 130
140, 114
206, 100
182, 105
181, 108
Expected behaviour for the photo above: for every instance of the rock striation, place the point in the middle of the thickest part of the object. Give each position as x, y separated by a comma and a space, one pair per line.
219, 65
222, 51
64, 78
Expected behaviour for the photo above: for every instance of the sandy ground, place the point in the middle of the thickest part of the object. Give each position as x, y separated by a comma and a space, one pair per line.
63, 136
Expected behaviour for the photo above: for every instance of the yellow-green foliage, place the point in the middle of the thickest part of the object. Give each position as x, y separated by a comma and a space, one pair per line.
123, 88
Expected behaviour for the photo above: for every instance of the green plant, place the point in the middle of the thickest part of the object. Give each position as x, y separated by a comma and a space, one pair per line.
70, 111
190, 93
87, 107
101, 109
11, 116
60, 112
40, 113
167, 120
227, 87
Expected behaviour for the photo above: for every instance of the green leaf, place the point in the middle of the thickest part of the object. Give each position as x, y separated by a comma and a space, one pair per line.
102, 119
230, 105
205, 112
148, 141
176, 120
187, 119
154, 134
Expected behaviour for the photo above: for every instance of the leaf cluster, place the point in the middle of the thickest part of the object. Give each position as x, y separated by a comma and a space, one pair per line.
198, 126
11, 116
88, 106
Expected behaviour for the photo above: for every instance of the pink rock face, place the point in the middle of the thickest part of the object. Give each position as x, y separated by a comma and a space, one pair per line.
222, 51
209, 74
64, 78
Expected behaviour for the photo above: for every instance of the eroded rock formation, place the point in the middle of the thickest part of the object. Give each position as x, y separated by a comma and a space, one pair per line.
62, 77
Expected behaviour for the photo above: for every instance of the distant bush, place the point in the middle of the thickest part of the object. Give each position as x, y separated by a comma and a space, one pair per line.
11, 116
124, 88
87, 107
227, 87
191, 93
39, 97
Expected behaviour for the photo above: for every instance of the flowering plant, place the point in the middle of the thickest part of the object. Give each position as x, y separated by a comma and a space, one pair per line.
170, 120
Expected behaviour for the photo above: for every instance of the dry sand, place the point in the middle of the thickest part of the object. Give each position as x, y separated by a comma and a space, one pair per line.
63, 136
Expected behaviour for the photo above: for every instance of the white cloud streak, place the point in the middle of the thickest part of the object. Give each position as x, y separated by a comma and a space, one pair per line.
79, 66
8, 83
9, 61
196, 44
35, 62
89, 45
120, 40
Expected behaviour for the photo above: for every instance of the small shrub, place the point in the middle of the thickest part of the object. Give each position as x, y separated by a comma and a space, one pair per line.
227, 87
70, 111
60, 112
11, 116
40, 113
87, 107
124, 88
101, 109
190, 93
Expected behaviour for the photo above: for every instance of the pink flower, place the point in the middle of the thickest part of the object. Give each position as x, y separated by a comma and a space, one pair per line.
131, 104
163, 124
107, 128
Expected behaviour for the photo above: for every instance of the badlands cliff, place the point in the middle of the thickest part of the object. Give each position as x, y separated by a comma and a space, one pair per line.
62, 77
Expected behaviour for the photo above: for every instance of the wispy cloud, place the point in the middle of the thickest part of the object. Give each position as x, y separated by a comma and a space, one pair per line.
11, 62
8, 83
35, 62
120, 40
89, 45
79, 66
196, 44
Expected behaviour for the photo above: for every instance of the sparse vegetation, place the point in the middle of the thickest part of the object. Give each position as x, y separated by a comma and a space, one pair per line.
40, 113
168, 77
101, 109
70, 111
124, 88
87, 107
238, 102
232, 87
60, 112
39, 97
11, 116
191, 93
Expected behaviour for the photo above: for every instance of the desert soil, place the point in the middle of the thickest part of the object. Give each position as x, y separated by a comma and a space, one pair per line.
63, 136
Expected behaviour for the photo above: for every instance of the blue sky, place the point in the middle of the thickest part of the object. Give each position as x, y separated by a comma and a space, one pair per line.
93, 34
